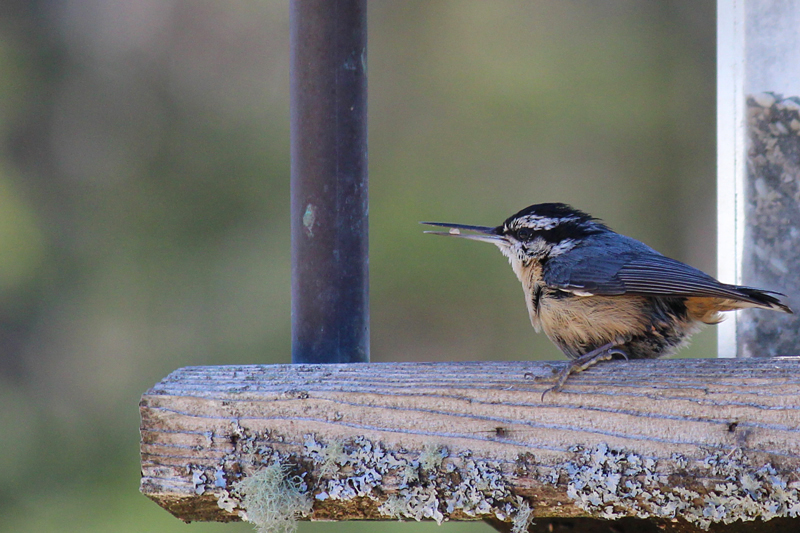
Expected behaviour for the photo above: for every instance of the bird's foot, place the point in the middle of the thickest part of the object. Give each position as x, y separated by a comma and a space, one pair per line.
603, 353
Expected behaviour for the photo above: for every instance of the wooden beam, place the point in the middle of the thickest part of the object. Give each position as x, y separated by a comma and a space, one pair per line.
689, 442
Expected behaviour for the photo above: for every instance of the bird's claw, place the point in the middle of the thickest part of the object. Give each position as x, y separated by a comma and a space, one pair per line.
617, 351
603, 353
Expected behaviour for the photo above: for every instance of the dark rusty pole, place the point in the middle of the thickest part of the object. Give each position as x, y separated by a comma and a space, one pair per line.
330, 261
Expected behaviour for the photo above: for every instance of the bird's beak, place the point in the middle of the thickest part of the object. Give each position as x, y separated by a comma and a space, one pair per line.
479, 233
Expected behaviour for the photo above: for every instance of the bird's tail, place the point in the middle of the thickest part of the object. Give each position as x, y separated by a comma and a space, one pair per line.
763, 299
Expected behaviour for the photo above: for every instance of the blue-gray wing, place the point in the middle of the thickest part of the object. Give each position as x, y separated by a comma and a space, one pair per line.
615, 265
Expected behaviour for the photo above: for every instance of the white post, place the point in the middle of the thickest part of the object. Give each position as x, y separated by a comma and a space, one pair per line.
730, 155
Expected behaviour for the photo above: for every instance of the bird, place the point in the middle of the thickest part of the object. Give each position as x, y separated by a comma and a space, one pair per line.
598, 294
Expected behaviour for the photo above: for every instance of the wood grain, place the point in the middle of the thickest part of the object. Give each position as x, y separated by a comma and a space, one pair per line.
727, 432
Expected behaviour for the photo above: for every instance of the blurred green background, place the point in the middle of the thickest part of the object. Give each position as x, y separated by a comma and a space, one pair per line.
144, 200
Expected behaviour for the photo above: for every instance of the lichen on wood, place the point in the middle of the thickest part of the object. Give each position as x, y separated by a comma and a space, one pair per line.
700, 442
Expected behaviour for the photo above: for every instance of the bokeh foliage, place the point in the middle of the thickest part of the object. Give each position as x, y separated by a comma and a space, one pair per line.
144, 194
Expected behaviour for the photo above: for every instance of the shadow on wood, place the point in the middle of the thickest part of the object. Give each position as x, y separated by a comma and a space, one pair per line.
691, 443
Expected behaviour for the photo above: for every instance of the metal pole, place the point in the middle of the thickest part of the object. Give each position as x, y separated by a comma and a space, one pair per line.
330, 256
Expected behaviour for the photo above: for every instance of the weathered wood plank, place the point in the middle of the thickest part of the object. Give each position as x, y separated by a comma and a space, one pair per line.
703, 441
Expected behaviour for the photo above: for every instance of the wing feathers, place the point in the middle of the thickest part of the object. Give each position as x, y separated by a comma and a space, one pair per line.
661, 275
652, 274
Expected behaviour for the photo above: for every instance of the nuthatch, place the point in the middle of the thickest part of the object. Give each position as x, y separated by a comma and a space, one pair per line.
597, 293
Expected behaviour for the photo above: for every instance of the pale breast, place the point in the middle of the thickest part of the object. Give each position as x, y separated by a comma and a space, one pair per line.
577, 323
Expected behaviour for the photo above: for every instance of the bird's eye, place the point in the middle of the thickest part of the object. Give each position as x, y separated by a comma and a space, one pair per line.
524, 234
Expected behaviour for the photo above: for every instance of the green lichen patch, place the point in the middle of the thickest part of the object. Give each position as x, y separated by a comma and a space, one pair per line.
432, 457
273, 498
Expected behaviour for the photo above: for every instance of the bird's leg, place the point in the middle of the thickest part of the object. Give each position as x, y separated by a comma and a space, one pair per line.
603, 353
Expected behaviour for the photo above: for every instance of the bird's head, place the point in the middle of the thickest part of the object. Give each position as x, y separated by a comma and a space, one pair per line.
534, 235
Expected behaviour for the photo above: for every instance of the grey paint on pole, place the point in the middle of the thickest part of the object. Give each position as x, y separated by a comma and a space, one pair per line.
330, 261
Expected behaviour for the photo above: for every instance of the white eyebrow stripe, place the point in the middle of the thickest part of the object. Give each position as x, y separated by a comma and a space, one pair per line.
540, 223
